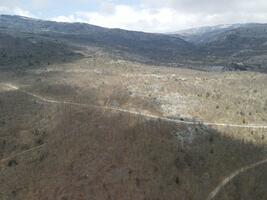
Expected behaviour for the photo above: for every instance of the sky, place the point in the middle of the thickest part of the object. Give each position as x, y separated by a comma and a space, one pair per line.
142, 15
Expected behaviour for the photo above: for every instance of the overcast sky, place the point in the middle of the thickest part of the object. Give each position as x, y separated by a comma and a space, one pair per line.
142, 15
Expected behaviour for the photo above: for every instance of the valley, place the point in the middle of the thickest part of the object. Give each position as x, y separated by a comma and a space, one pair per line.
93, 113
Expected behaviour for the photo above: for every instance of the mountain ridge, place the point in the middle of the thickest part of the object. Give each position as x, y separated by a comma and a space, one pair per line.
231, 47
147, 46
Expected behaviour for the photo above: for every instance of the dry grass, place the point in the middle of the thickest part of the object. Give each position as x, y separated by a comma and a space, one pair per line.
96, 154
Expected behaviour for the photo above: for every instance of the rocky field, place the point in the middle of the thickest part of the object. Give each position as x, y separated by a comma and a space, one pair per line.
102, 128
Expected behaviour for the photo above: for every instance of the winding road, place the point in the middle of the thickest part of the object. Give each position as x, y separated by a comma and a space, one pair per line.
44, 99
229, 178
211, 195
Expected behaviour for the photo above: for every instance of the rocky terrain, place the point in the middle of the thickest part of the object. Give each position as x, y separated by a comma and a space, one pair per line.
91, 121
231, 47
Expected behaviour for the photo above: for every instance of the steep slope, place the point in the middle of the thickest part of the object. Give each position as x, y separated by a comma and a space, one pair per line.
27, 42
238, 46
157, 48
253, 36
28, 50
206, 33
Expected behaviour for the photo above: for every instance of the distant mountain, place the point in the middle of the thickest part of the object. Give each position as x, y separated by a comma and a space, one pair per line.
29, 50
32, 42
147, 47
237, 46
203, 34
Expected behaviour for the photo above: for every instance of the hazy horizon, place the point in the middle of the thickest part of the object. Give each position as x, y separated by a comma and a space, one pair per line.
141, 15
171, 32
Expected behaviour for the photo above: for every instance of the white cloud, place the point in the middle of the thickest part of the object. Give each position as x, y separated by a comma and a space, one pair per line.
15, 11
210, 6
127, 17
161, 19
69, 18
144, 15
21, 12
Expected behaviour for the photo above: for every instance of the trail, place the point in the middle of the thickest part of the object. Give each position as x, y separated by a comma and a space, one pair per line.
211, 196
22, 153
229, 178
44, 99
142, 114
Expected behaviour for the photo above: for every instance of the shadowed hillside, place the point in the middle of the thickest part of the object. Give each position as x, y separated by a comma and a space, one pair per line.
145, 47
87, 152
238, 47
80, 120
29, 50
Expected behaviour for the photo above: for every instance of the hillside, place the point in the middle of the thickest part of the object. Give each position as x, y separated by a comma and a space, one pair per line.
28, 50
145, 47
104, 129
227, 47
108, 114
234, 47
206, 33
